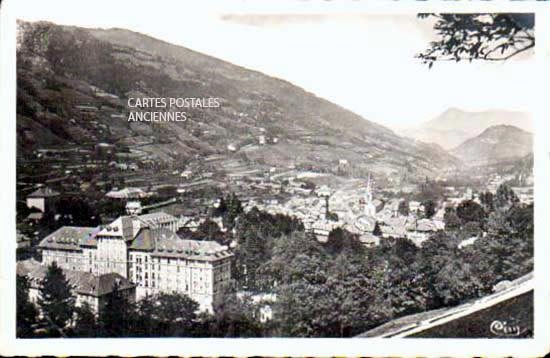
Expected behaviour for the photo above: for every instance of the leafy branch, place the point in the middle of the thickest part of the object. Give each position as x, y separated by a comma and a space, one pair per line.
489, 37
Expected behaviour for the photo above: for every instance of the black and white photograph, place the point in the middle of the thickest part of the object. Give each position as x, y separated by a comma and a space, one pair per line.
202, 172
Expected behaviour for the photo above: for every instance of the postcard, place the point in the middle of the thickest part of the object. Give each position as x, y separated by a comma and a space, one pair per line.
292, 178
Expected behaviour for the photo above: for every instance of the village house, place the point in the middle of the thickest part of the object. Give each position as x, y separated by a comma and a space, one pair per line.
127, 193
420, 231
133, 208
86, 287
42, 199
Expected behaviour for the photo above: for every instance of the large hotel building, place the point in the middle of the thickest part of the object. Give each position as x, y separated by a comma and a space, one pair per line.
146, 250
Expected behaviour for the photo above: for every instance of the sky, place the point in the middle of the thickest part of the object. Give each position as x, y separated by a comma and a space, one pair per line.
363, 62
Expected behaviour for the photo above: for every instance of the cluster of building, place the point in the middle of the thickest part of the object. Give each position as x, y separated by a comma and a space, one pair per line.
357, 211
144, 251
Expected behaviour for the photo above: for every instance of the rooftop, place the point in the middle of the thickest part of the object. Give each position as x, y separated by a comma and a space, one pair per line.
83, 282
126, 227
44, 192
70, 238
126, 193
165, 243
159, 217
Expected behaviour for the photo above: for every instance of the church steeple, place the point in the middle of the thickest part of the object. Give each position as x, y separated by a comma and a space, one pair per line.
369, 208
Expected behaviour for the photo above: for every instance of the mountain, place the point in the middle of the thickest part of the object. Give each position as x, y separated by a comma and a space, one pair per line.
73, 90
496, 144
454, 126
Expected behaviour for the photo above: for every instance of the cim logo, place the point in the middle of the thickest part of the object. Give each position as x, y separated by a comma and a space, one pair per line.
502, 329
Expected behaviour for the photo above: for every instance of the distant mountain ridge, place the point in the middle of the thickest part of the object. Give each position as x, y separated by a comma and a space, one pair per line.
62, 67
455, 126
496, 143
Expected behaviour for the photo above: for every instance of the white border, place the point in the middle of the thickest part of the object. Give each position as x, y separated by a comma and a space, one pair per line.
537, 346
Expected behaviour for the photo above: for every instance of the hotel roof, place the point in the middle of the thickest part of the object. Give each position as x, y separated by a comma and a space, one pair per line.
125, 227
165, 243
70, 238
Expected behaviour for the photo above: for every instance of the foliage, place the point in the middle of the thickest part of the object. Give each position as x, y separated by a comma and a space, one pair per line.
56, 299
321, 294
491, 37
233, 317
507, 256
85, 323
208, 230
331, 216
117, 316
25, 310
505, 197
403, 208
74, 211
340, 239
111, 207
377, 230
256, 234
487, 200
430, 190
166, 315
429, 208
229, 209
469, 210
451, 219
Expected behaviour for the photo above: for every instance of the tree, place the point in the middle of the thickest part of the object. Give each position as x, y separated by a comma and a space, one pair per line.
487, 199
331, 216
505, 197
452, 221
234, 209
490, 37
377, 230
208, 230
176, 314
117, 316
85, 323
321, 293
233, 317
469, 210
429, 208
447, 275
25, 310
75, 211
56, 299
222, 208
403, 208
340, 239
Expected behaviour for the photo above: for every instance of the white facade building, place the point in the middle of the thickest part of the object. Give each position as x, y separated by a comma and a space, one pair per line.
147, 251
